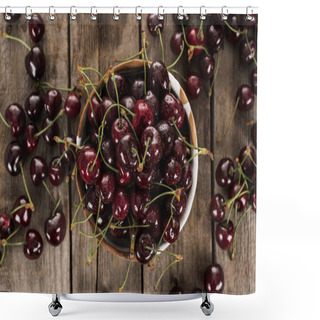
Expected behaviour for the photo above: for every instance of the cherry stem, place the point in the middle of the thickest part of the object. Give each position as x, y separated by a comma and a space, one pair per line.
90, 82
3, 254
117, 96
11, 235
144, 75
251, 52
61, 157
50, 124
178, 73
191, 158
50, 194
98, 234
114, 226
159, 196
177, 256
163, 185
56, 207
137, 153
229, 126
5, 35
65, 141
215, 74
108, 165
140, 167
200, 32
161, 44
15, 243
25, 205
234, 30
164, 271
47, 84
88, 96
82, 221
177, 60
100, 135
126, 278
25, 187
130, 58
4, 120
131, 126
144, 36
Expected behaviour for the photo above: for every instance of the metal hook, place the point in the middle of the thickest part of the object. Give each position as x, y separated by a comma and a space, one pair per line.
93, 16
160, 15
180, 13
116, 15
28, 15
52, 11
7, 16
203, 13
224, 13
249, 15
138, 14
73, 13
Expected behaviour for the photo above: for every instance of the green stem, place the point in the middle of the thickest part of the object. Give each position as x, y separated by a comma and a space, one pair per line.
91, 106
130, 58
26, 188
4, 120
47, 84
200, 29
3, 254
234, 30
50, 124
144, 47
117, 96
159, 196
56, 207
126, 278
178, 73
145, 75
20, 207
140, 167
82, 221
50, 194
132, 128
177, 60
95, 227
163, 185
164, 271
191, 158
5, 35
215, 74
162, 251
161, 44
94, 89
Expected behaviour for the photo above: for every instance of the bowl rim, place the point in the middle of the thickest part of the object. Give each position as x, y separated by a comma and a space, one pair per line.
178, 90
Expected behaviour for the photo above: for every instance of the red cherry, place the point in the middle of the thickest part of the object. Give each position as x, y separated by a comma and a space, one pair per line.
30, 140
216, 210
55, 228
225, 234
72, 105
171, 107
16, 118
105, 187
6, 226
56, 172
34, 245
176, 42
214, 279
194, 40
89, 173
23, 215
144, 116
246, 98
120, 204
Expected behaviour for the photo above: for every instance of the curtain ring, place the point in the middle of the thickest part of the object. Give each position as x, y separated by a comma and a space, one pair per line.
160, 14
28, 15
7, 16
203, 13
116, 13
138, 14
93, 16
52, 11
249, 15
180, 13
224, 13
73, 13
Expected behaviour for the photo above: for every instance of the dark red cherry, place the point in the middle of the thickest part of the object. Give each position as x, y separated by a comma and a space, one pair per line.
121, 85
124, 176
166, 132
23, 215
108, 152
16, 118
247, 55
215, 38
120, 204
246, 98
225, 234
119, 128
206, 65
72, 105
152, 218
186, 177
242, 199
178, 207
158, 79
139, 198
128, 102
176, 42
56, 172
51, 132
137, 89
126, 152
105, 187
94, 112
171, 107
247, 165
171, 233
150, 137
178, 22
172, 171
120, 233
179, 151
253, 200
214, 279
6, 225
92, 202
13, 155
104, 217
254, 134
234, 22
153, 102
52, 102
254, 80
94, 137
193, 85
36, 27
145, 178
154, 23
34, 106
225, 172
69, 154
29, 138
34, 245
194, 40
55, 228
38, 170
143, 116
35, 63
111, 116
14, 17
144, 240
216, 210
88, 166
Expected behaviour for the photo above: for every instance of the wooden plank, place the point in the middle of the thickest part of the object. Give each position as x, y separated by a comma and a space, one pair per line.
195, 240
50, 273
239, 273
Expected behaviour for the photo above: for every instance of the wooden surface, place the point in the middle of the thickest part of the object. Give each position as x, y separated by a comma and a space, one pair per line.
68, 44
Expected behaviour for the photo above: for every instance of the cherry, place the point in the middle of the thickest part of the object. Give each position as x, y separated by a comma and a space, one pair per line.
225, 172
34, 106
254, 134
35, 63
72, 105
94, 112
121, 85
108, 152
158, 79
178, 207
152, 218
52, 102
214, 279
128, 102
104, 218
137, 89
16, 118
56, 172
246, 98
193, 85
143, 116
92, 202
184, 21
186, 177
215, 38
69, 156
29, 138
246, 55
172, 171
145, 178
119, 128
247, 165
105, 187
234, 22
176, 42
139, 198
153, 102
144, 240
151, 141
154, 24
126, 152
111, 116
179, 151
14, 17
36, 27
225, 234
55, 228
6, 226
120, 233
38, 170
216, 210
194, 40
23, 215
51, 132
254, 80
171, 233
166, 132
120, 204
254, 200
124, 176
13, 155
241, 201
171, 107
89, 165
206, 65
34, 245
94, 137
